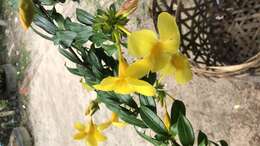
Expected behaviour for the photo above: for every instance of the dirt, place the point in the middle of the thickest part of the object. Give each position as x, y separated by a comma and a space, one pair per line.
224, 109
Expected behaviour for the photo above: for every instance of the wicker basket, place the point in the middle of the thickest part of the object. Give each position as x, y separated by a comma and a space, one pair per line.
221, 37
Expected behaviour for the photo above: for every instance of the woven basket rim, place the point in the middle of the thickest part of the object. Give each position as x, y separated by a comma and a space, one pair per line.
237, 70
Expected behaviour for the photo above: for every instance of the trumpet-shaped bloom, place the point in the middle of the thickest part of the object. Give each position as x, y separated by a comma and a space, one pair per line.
156, 50
179, 67
90, 133
26, 13
114, 120
127, 81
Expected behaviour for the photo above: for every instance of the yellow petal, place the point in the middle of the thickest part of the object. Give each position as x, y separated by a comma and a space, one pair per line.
168, 28
183, 76
91, 140
170, 46
119, 124
26, 13
107, 84
141, 42
181, 68
79, 136
99, 136
122, 87
141, 87
158, 60
79, 126
104, 126
138, 69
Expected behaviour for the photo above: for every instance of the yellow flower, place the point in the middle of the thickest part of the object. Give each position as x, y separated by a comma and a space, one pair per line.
128, 80
114, 120
26, 13
179, 67
156, 50
90, 133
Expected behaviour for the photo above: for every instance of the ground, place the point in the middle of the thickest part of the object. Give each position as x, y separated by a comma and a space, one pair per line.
224, 109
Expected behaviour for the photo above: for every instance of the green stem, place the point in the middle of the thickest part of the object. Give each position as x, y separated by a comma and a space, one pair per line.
125, 30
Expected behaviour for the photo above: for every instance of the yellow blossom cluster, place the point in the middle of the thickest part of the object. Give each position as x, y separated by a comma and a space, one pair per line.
156, 54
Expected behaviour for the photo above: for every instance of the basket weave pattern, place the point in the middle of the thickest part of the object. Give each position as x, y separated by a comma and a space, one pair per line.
220, 37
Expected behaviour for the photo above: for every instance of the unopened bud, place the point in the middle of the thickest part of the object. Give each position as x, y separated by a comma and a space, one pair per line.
92, 108
128, 7
167, 120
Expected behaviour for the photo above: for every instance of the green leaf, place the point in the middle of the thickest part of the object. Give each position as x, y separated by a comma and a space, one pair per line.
113, 104
178, 108
185, 131
74, 71
148, 102
152, 120
48, 2
110, 49
148, 138
44, 23
202, 139
223, 143
174, 130
94, 60
58, 19
128, 100
84, 17
64, 38
69, 55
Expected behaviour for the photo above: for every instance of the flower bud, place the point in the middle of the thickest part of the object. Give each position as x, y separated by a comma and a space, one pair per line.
92, 108
167, 120
128, 7
26, 13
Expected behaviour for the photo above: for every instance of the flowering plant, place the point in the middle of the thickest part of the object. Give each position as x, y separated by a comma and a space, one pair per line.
98, 45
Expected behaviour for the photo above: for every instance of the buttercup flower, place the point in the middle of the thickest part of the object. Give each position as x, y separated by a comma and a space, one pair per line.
128, 80
156, 50
114, 120
179, 67
91, 133
26, 13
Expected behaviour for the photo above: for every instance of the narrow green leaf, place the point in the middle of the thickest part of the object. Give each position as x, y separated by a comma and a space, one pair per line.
44, 23
202, 139
128, 100
185, 131
148, 138
64, 38
74, 71
148, 102
69, 55
126, 116
84, 17
152, 120
178, 108
113, 104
